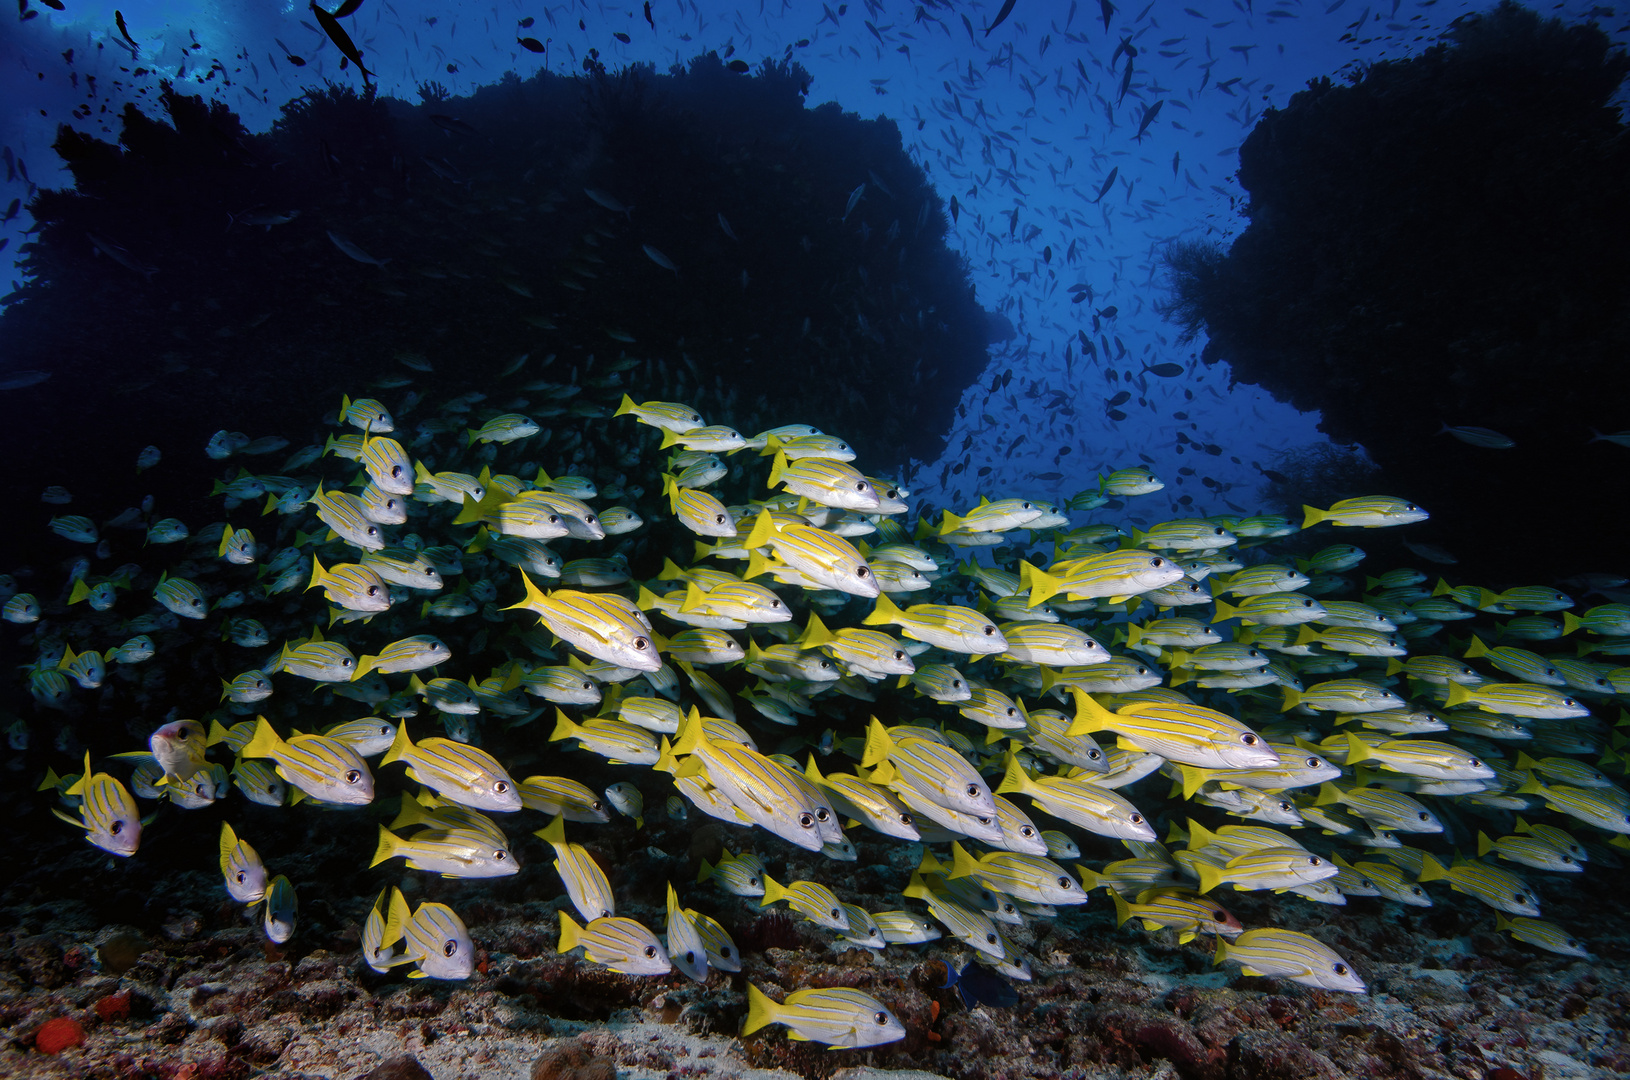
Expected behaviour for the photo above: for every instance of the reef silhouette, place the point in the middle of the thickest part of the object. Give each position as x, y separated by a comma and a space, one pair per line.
172, 294
1440, 242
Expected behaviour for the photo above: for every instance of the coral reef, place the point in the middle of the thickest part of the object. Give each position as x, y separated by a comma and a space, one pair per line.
1437, 243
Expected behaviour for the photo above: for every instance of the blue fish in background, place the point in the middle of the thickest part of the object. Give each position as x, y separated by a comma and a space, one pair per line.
977, 984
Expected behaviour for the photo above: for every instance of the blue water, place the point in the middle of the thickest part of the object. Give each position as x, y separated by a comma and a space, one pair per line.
1023, 125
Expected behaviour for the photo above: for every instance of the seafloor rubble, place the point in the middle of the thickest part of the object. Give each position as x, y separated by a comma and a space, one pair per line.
176, 982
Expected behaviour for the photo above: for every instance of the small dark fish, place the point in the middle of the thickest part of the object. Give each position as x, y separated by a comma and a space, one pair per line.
1109, 312
1117, 415
11, 211
119, 20
740, 67
622, 37
17, 380
979, 985
1165, 371
54, 5
452, 125
347, 9
956, 210
1119, 399
1149, 115
648, 18
1108, 10
336, 33
1109, 182
297, 61
530, 44
526, 23
1001, 16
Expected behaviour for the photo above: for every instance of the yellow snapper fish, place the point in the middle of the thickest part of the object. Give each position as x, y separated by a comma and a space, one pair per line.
351, 586
1187, 734
586, 884
826, 559
107, 813
839, 1017
1367, 512
604, 625
241, 867
434, 939
324, 769
457, 772
619, 943
1290, 955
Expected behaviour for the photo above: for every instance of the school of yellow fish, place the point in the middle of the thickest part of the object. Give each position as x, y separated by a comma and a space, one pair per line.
1300, 707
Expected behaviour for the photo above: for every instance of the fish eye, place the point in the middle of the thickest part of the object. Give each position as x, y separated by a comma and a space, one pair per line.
500, 855
651, 951
1314, 860
373, 590
882, 1018
1220, 915
1026, 831
905, 819
956, 684
989, 630
1314, 763
725, 952
752, 882
1340, 969
777, 603
973, 791
1519, 898
372, 531
1063, 882
861, 485
1415, 890
990, 939
353, 776
718, 519
1285, 807
1157, 562
1424, 816
450, 948
807, 820
1569, 701
396, 470
641, 644
1567, 860
1136, 819
862, 570
117, 827
836, 913
1248, 739
1474, 763
501, 787
821, 814
346, 662
690, 957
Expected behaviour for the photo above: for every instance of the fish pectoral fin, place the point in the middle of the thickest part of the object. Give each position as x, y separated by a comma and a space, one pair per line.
69, 818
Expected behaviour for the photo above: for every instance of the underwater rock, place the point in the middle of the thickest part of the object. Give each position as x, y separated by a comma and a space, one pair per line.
400, 1067
235, 318
1431, 244
573, 1060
